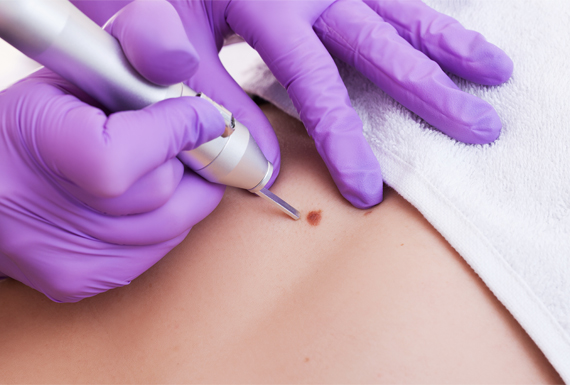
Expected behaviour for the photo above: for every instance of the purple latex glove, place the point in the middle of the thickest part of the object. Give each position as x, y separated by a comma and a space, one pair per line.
88, 201
400, 45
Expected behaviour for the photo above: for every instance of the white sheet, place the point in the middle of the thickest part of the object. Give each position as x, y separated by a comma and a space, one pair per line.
504, 207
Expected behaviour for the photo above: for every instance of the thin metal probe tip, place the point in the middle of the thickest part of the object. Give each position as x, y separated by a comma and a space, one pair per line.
284, 206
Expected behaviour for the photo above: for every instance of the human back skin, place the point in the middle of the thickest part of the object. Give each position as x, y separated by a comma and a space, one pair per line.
343, 295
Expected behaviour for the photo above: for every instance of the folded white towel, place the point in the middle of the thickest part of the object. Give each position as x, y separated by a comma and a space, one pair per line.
505, 207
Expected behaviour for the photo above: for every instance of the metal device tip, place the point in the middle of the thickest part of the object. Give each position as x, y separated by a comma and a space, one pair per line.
284, 206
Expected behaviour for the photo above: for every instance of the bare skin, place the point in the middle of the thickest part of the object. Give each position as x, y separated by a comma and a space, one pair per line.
343, 295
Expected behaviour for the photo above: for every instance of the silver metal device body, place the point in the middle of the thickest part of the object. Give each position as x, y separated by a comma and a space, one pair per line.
59, 36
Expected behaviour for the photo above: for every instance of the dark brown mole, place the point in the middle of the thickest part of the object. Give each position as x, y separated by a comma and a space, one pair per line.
314, 217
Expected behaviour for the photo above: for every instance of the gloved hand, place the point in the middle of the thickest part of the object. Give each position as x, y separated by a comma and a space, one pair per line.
88, 201
400, 45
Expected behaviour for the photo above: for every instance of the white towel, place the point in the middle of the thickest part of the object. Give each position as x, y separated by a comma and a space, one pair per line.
504, 207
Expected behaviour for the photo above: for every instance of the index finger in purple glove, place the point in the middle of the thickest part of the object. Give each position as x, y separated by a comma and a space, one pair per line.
305, 68
106, 155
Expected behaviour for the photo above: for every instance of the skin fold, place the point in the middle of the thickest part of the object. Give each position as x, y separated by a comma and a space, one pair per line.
343, 295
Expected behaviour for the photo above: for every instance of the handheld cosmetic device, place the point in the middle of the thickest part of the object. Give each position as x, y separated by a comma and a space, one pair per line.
59, 36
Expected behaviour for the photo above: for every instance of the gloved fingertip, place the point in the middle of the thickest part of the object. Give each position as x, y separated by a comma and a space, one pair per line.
364, 194
487, 129
494, 68
467, 118
484, 128
488, 64
209, 121
186, 121
155, 41
353, 167
503, 69
178, 64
